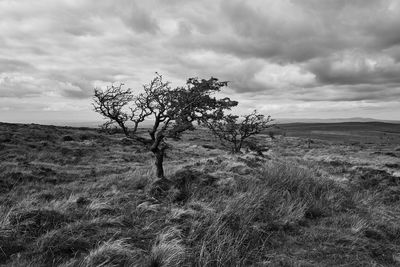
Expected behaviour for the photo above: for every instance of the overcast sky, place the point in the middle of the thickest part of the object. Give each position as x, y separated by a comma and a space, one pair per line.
287, 58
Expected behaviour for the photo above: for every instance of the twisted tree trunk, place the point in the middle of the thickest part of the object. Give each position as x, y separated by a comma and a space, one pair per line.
159, 153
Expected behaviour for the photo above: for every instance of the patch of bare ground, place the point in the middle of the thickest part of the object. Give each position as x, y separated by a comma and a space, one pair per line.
78, 197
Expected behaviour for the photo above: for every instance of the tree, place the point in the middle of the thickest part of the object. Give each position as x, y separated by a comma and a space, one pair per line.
233, 130
172, 110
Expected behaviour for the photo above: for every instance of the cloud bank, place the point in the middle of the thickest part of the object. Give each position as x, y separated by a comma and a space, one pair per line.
303, 58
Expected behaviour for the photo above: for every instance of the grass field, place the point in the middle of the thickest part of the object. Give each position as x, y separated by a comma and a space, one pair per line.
320, 195
346, 133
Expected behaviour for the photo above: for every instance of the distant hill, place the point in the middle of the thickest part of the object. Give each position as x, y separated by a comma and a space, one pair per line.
96, 124
334, 120
89, 124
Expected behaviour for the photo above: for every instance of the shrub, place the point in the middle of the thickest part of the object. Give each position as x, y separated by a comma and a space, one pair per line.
232, 131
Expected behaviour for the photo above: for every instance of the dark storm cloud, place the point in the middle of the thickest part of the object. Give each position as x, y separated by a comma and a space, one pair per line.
336, 42
287, 50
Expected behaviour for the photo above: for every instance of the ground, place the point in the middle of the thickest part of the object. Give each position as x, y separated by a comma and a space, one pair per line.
311, 195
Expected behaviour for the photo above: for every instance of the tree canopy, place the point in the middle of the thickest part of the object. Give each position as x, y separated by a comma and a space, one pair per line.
233, 130
171, 110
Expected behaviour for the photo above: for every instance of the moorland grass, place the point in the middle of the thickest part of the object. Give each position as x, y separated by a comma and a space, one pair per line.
87, 202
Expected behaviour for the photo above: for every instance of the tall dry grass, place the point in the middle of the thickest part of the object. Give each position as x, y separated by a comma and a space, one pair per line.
263, 212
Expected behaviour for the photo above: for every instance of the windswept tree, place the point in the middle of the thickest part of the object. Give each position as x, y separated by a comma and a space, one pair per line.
233, 130
171, 110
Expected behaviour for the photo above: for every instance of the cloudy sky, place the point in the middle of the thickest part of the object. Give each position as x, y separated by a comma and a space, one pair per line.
287, 58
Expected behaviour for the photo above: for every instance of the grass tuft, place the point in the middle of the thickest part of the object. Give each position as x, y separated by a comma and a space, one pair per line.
168, 250
35, 222
112, 253
73, 239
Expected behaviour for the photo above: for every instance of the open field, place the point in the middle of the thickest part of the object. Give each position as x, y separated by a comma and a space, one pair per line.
319, 195
346, 133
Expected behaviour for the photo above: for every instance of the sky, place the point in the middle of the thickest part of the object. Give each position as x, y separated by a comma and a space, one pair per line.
285, 58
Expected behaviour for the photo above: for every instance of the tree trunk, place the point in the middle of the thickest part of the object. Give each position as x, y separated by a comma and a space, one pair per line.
158, 148
236, 146
159, 153
239, 147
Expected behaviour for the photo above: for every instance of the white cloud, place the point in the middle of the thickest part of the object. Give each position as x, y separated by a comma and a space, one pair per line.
291, 54
284, 77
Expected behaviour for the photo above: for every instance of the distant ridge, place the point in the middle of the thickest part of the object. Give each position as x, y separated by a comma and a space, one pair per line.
96, 124
88, 124
334, 120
